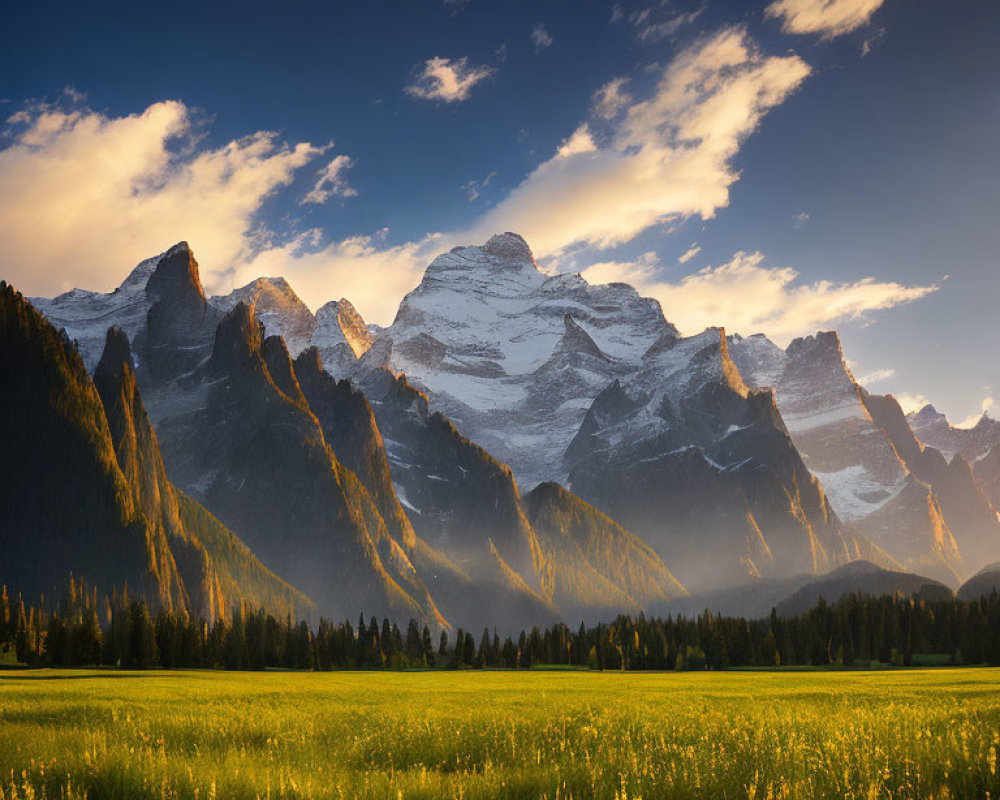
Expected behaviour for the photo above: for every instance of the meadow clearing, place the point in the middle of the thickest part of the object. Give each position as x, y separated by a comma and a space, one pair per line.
537, 734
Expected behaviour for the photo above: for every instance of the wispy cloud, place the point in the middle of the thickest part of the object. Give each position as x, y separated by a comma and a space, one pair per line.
801, 219
876, 376
690, 253
474, 188
747, 297
540, 38
828, 18
447, 80
611, 99
655, 22
332, 181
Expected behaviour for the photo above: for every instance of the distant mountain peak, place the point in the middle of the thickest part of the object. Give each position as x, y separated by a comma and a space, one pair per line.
239, 336
176, 276
508, 246
820, 345
117, 353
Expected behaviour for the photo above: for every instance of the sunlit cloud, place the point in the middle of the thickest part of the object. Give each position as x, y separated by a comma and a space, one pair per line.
690, 253
745, 296
84, 196
447, 80
581, 141
876, 376
611, 99
829, 18
332, 181
971, 420
669, 157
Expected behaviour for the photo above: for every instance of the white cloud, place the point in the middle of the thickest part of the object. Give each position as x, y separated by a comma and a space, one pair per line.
669, 157
910, 402
447, 80
332, 181
972, 419
829, 18
84, 196
690, 253
540, 38
641, 272
474, 188
876, 376
650, 27
744, 296
801, 219
610, 99
581, 141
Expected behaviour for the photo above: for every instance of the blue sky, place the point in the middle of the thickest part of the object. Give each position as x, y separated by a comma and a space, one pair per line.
828, 166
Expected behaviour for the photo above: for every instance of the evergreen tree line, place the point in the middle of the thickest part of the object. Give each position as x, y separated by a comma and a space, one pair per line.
117, 630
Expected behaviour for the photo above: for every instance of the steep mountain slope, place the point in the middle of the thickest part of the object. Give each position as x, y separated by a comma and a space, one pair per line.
703, 470
933, 429
467, 505
461, 502
513, 357
600, 564
216, 568
84, 491
65, 506
256, 456
964, 505
982, 584
987, 472
867, 482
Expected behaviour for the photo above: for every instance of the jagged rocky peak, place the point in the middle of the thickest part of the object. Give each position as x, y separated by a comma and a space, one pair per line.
117, 356
933, 428
823, 345
278, 307
86, 315
176, 276
509, 247
340, 317
238, 338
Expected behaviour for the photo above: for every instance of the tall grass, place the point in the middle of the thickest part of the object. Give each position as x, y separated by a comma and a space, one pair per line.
913, 734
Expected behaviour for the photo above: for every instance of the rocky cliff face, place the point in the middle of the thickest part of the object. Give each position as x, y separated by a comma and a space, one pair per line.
243, 440
867, 482
964, 504
92, 497
987, 472
337, 330
704, 471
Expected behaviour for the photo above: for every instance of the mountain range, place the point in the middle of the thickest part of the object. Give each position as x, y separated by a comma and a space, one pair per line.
514, 449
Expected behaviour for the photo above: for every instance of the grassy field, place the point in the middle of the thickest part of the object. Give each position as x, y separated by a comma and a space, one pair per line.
906, 734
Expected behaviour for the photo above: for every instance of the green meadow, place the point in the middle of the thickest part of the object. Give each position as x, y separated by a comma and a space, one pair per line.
534, 734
